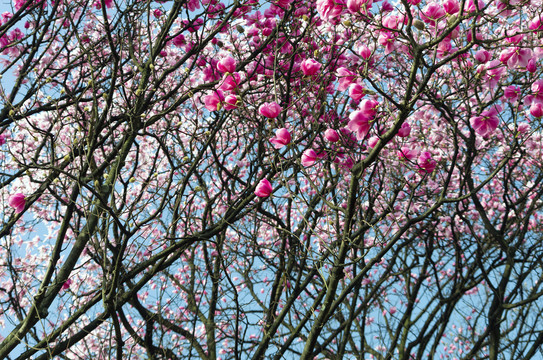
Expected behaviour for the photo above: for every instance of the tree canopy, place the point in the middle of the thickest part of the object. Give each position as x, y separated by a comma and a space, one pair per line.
286, 179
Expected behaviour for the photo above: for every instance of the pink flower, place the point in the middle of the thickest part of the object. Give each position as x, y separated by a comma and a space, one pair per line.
537, 88
369, 108
231, 102
2, 139
536, 24
309, 157
270, 110
356, 6
372, 141
331, 135
483, 56
329, 9
531, 66
432, 13
212, 102
179, 40
407, 154
356, 91
536, 109
359, 124
310, 67
511, 93
487, 122
17, 201
425, 162
227, 65
67, 284
282, 138
405, 130
263, 189
451, 6
346, 77
516, 57
230, 82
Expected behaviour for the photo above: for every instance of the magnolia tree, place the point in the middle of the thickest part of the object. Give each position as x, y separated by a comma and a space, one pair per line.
268, 180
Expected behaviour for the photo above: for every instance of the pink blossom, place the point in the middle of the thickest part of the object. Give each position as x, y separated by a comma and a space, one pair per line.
309, 157
514, 57
212, 102
270, 110
230, 81
405, 130
359, 124
372, 141
482, 56
369, 108
179, 40
407, 154
487, 122
331, 135
451, 6
231, 102
356, 6
263, 189
2, 139
388, 40
425, 162
346, 77
537, 88
67, 284
531, 66
310, 67
329, 9
227, 65
157, 13
17, 201
511, 93
536, 24
536, 109
471, 7
432, 13
282, 138
365, 52
356, 91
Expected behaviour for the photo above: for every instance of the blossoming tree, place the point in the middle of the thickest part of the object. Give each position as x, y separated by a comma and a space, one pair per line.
267, 180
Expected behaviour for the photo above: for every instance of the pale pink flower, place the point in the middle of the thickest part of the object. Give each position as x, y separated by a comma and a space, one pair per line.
230, 81
263, 189
536, 109
407, 154
309, 157
426, 163
372, 141
346, 77
359, 124
282, 138
310, 67
487, 122
331, 135
227, 65
405, 130
514, 57
270, 110
17, 201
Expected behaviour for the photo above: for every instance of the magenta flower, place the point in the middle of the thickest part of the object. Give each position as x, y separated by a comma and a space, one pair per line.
179, 40
356, 91
282, 138
360, 119
2, 139
309, 157
537, 88
432, 13
514, 57
263, 189
511, 93
451, 6
536, 24
17, 201
231, 102
227, 65
67, 284
356, 6
482, 56
536, 109
346, 78
405, 130
426, 163
531, 66
212, 102
487, 122
270, 110
230, 82
331, 135
310, 67
329, 9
